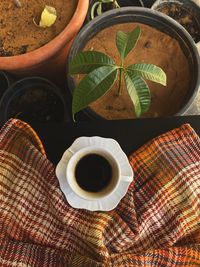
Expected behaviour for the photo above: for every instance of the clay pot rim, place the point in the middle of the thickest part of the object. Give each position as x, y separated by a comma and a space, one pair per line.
125, 11
50, 49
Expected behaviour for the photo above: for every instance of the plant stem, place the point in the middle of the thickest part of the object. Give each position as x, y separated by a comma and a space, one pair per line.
141, 3
93, 9
116, 4
120, 82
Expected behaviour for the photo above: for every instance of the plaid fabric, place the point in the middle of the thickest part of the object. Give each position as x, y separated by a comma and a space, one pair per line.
156, 224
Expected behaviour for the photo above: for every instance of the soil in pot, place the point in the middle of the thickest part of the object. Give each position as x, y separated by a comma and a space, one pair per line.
153, 47
20, 35
184, 16
37, 105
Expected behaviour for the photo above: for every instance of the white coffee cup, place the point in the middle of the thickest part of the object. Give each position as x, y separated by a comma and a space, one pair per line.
115, 187
71, 179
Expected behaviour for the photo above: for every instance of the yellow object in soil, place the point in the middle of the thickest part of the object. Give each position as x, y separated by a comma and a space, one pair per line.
48, 17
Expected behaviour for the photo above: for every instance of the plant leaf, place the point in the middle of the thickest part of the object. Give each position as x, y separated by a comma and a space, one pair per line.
125, 42
149, 72
93, 86
87, 61
48, 17
138, 91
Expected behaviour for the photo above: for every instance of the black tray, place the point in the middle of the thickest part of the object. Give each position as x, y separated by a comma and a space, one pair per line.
131, 134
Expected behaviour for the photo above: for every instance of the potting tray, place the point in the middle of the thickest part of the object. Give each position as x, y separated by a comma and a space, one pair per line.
131, 134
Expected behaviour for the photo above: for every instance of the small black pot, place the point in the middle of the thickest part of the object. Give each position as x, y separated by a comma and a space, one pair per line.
186, 12
122, 3
149, 17
33, 99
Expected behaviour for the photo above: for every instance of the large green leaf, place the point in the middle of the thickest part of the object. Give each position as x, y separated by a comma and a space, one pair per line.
93, 86
149, 72
87, 61
125, 42
138, 91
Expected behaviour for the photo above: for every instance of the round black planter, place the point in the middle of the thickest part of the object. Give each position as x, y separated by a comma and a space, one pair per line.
187, 9
5, 82
32, 86
122, 3
149, 17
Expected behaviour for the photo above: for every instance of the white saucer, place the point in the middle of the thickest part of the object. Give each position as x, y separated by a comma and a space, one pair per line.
109, 202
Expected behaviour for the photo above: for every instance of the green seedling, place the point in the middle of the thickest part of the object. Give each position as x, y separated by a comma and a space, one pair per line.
101, 73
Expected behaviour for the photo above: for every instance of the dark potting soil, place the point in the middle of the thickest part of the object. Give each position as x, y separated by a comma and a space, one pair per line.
184, 17
37, 105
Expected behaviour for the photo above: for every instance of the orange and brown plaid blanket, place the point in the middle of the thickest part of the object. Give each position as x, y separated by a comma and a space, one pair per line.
156, 224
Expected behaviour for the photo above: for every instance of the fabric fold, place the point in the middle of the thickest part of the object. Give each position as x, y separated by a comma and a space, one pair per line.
157, 223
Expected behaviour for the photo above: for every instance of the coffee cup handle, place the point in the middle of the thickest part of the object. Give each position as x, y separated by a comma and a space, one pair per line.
127, 179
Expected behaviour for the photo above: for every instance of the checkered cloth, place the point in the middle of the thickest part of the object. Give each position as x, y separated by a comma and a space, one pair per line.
156, 224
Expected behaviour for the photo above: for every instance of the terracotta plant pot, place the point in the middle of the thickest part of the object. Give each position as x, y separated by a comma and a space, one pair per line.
50, 59
174, 32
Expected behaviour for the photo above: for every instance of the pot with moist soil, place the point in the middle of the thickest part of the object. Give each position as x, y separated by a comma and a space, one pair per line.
163, 42
185, 12
25, 48
33, 99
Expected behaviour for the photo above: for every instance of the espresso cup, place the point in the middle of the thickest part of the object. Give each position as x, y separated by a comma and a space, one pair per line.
113, 179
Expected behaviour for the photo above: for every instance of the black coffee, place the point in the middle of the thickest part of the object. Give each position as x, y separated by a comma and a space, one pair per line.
93, 173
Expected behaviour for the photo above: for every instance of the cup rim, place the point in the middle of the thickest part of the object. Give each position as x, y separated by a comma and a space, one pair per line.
92, 149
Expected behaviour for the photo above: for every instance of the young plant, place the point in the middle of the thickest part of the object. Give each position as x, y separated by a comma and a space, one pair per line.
102, 72
98, 7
